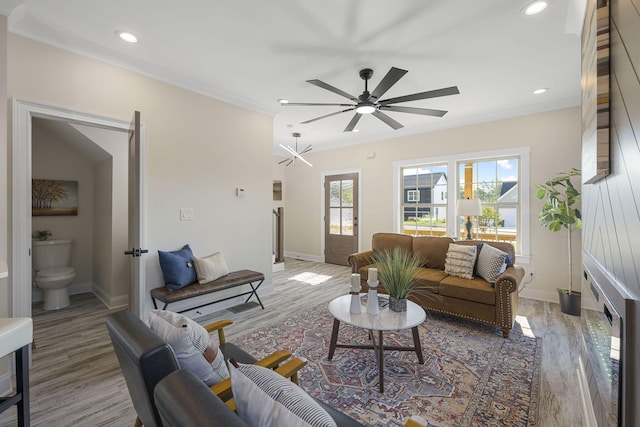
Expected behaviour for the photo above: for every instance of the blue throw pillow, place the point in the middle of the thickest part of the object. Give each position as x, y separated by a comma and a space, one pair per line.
177, 268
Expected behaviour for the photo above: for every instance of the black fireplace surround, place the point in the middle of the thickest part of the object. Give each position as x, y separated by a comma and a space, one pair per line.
610, 353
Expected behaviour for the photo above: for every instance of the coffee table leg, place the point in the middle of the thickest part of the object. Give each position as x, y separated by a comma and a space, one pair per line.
381, 361
334, 338
417, 345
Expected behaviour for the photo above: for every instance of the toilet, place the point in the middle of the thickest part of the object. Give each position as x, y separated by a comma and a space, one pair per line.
51, 259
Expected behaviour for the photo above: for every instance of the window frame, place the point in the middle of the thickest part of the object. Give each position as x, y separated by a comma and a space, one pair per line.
452, 162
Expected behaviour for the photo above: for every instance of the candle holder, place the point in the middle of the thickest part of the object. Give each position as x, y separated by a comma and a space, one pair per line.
372, 298
355, 294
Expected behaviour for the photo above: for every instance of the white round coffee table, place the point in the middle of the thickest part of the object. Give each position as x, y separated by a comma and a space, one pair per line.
386, 320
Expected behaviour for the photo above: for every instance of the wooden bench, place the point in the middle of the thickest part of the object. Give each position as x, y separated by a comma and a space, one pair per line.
231, 280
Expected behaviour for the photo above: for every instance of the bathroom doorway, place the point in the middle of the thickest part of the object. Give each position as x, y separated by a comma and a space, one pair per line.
25, 113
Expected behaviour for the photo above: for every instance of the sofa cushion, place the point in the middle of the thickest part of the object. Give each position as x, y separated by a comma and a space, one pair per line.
460, 261
503, 246
476, 289
491, 263
429, 278
432, 250
382, 241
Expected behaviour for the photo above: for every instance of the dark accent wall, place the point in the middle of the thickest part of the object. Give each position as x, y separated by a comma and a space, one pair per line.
611, 206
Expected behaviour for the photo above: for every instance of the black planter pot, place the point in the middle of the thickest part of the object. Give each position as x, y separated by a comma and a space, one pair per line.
570, 303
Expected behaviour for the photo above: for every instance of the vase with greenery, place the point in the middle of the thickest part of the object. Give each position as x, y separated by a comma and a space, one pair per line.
396, 274
41, 234
560, 213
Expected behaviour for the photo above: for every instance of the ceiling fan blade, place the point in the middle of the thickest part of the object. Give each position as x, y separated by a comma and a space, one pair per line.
388, 120
453, 90
328, 115
412, 110
333, 89
352, 124
385, 84
314, 104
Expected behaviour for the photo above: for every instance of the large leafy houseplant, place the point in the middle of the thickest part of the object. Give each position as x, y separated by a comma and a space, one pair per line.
396, 273
559, 211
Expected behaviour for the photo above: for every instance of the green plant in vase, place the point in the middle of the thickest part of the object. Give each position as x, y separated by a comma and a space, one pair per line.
396, 274
558, 213
41, 234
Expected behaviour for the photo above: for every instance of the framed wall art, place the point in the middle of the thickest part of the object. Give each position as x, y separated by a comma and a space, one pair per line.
54, 198
595, 92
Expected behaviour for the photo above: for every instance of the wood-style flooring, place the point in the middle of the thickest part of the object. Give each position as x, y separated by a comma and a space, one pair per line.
76, 380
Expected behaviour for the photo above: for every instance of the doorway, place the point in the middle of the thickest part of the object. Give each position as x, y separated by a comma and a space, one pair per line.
23, 113
341, 212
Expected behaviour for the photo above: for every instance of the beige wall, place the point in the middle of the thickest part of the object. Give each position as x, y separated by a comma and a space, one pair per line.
111, 269
554, 141
198, 150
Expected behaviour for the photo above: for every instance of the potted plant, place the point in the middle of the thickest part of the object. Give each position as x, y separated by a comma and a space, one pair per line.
558, 213
41, 234
396, 271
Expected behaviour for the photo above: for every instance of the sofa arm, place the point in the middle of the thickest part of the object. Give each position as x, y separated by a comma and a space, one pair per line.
359, 260
510, 280
506, 287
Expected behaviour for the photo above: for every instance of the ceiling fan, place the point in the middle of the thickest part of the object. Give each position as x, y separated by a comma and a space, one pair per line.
294, 152
370, 103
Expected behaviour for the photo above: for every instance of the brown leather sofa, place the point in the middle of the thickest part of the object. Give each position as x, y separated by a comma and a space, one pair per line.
473, 299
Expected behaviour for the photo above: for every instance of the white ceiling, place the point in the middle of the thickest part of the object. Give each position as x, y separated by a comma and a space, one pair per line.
252, 52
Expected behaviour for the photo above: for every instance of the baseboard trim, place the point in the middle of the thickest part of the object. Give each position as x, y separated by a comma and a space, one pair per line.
109, 301
303, 256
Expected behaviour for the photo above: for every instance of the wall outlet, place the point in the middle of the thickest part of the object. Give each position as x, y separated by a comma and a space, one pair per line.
186, 214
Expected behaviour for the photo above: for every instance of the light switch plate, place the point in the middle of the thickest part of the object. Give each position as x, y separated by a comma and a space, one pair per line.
186, 214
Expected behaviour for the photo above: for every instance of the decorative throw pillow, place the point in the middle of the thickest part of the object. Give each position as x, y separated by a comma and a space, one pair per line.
460, 260
189, 340
265, 398
492, 262
210, 268
177, 268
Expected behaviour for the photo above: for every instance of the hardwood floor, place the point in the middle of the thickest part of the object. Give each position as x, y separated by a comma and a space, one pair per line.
76, 380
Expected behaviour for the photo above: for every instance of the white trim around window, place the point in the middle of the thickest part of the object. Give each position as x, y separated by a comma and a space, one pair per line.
452, 169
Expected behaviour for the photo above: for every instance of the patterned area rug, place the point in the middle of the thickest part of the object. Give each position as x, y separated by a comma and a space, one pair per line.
471, 375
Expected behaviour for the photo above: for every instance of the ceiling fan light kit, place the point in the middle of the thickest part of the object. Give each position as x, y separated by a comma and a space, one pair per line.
370, 103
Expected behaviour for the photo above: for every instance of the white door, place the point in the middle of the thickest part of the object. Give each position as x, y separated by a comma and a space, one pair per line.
136, 294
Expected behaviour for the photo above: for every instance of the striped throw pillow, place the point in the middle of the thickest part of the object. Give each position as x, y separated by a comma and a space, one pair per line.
460, 260
265, 398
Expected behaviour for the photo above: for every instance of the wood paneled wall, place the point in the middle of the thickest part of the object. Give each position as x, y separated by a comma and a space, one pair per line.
611, 206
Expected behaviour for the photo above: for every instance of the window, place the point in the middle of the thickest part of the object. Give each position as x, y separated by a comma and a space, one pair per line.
495, 183
424, 207
500, 179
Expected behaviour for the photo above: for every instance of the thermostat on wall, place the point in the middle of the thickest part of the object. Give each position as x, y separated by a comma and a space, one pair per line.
240, 192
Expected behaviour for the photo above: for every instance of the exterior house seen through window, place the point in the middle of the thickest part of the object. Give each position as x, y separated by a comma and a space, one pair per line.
427, 211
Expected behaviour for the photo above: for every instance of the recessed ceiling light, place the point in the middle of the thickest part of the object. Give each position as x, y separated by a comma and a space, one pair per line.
127, 36
535, 7
355, 130
540, 91
283, 100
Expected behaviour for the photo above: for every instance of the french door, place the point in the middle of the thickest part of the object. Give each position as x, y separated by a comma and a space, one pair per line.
341, 217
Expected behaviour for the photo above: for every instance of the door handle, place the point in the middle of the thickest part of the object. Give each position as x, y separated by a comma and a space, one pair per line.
136, 252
